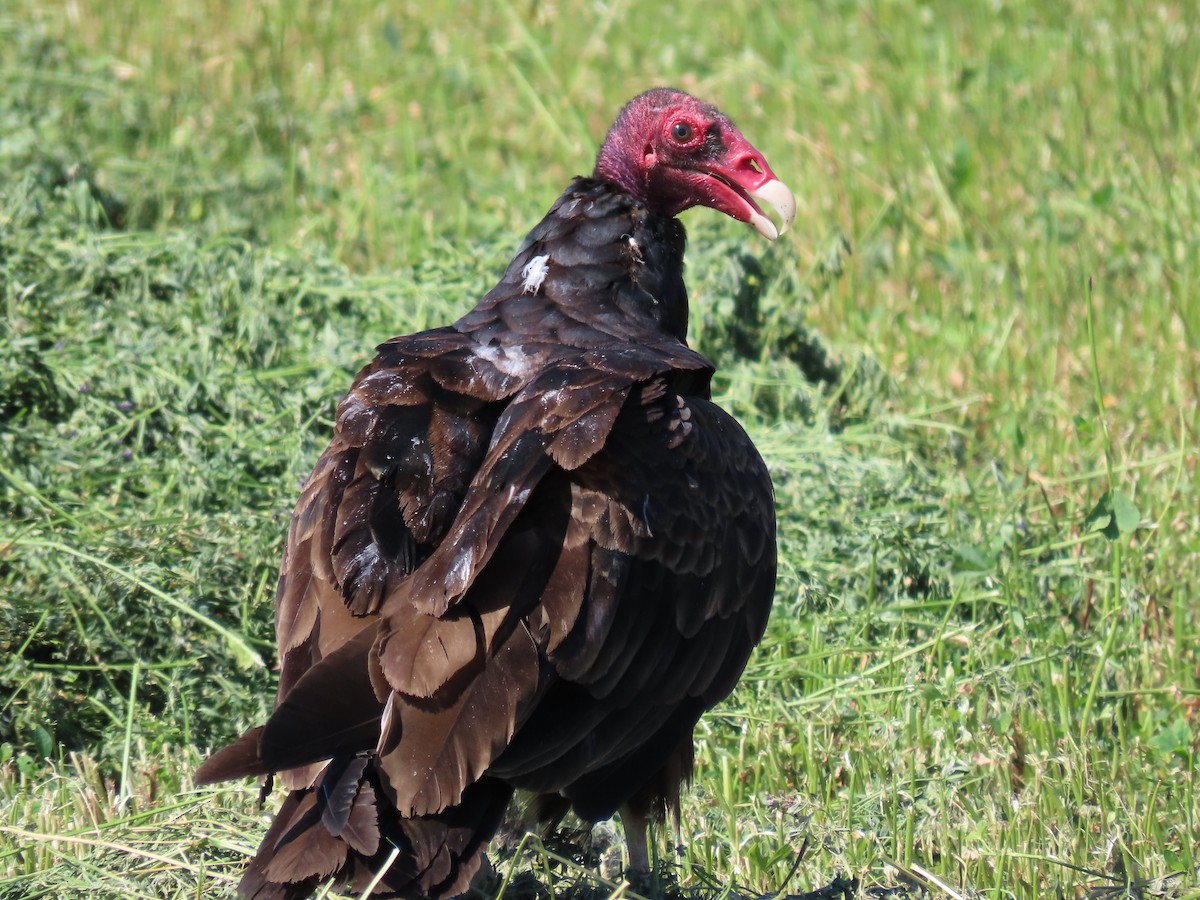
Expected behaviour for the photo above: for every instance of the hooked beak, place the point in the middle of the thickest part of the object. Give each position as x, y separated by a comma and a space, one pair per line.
743, 178
778, 196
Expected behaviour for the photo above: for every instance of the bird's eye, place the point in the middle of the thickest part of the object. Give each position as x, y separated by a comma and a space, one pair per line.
682, 132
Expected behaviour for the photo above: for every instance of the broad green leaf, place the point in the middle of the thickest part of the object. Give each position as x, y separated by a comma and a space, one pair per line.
1174, 738
1101, 518
969, 558
1126, 514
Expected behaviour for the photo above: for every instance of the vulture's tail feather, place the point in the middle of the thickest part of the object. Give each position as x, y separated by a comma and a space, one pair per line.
347, 828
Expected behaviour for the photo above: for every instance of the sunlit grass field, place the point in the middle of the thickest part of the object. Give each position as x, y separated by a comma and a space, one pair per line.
972, 366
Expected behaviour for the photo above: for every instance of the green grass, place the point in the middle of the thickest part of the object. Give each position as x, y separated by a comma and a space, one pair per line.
982, 674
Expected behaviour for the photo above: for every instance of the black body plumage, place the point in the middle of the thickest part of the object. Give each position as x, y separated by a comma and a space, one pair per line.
534, 553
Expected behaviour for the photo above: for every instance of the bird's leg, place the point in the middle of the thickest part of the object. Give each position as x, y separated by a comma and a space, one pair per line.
636, 845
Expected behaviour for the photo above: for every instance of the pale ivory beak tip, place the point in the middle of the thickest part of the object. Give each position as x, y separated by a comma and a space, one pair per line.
778, 197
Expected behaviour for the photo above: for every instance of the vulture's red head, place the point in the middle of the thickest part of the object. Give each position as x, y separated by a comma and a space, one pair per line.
672, 152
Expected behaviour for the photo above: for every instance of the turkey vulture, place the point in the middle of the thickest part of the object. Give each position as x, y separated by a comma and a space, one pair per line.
535, 551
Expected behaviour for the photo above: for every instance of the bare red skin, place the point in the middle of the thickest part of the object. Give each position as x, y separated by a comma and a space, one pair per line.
673, 152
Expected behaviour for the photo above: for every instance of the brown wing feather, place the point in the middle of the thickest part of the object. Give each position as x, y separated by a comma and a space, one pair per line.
332, 709
385, 491
422, 656
304, 851
361, 828
431, 754
238, 760
562, 416
441, 645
